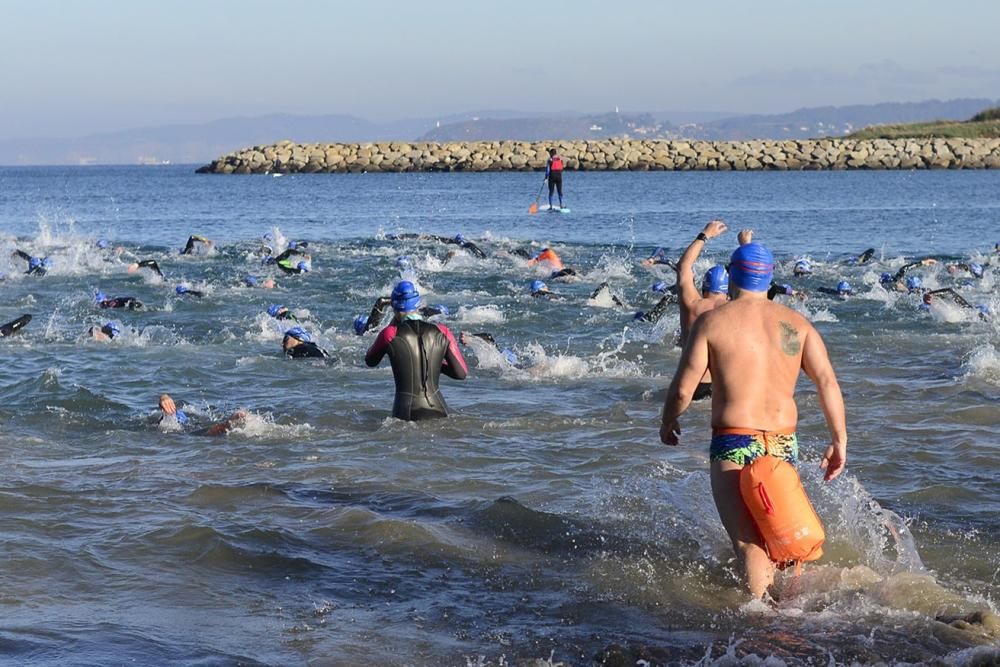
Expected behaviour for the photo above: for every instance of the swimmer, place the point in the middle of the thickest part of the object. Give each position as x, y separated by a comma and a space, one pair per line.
365, 323
280, 312
783, 290
714, 290
604, 289
843, 289
257, 281
298, 344
170, 411
419, 352
548, 259
659, 256
656, 312
803, 267
14, 326
126, 302
975, 268
37, 266
197, 245
465, 244
755, 350
184, 289
506, 352
863, 258
895, 281
104, 333
146, 264
929, 296
540, 290
294, 260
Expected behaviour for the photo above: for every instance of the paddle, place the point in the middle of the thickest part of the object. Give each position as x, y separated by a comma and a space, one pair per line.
534, 207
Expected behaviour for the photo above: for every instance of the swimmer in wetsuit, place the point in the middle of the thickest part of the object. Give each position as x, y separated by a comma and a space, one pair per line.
298, 344
605, 289
104, 333
14, 326
170, 412
126, 302
467, 245
256, 281
659, 256
365, 323
197, 245
843, 290
551, 261
280, 312
656, 312
37, 266
419, 352
293, 260
928, 298
863, 258
507, 353
146, 264
540, 290
184, 289
895, 281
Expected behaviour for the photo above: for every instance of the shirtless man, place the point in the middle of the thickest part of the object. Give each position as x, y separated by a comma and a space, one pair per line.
754, 349
714, 290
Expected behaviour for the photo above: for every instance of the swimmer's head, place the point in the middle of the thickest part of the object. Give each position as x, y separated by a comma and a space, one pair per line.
34, 263
360, 322
659, 286
459, 238
100, 296
802, 266
716, 280
983, 309
638, 315
927, 297
885, 278
751, 267
303, 267
299, 334
538, 286
110, 330
268, 283
442, 310
274, 309
913, 283
844, 287
133, 267
102, 243
405, 298
976, 269
181, 289
292, 245
251, 281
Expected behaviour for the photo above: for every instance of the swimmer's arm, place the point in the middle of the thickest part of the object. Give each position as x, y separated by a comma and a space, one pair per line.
23, 255
381, 345
454, 366
690, 369
816, 364
378, 310
685, 275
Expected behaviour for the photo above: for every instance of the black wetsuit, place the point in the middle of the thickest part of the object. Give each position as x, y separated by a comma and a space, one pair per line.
126, 302
192, 243
419, 352
13, 327
285, 262
656, 312
151, 265
864, 257
604, 287
554, 176
306, 350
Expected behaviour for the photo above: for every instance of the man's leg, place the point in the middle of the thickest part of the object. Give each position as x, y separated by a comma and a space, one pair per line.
559, 188
735, 516
552, 187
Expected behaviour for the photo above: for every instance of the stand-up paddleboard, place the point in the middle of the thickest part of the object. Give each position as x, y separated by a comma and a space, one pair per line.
12, 328
553, 209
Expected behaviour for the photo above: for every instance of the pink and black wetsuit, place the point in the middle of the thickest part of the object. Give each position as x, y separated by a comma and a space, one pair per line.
419, 352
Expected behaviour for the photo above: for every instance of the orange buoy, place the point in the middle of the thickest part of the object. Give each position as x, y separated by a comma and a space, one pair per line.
787, 522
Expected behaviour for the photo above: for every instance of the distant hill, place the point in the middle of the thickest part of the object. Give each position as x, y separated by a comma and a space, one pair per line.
984, 125
200, 143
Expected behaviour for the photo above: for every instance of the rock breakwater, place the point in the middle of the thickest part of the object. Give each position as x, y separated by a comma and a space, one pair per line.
613, 155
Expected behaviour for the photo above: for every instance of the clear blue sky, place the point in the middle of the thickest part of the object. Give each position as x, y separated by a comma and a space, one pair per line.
74, 68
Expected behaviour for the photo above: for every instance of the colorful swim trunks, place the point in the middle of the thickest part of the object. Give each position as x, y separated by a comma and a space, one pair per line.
743, 445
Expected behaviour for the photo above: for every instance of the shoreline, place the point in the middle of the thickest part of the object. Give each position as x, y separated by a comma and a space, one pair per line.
286, 157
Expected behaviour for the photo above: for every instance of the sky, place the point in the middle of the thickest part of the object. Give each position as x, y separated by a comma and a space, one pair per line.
78, 68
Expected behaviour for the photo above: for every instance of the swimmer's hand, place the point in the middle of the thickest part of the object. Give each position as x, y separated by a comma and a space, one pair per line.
714, 228
669, 433
745, 236
834, 460
167, 405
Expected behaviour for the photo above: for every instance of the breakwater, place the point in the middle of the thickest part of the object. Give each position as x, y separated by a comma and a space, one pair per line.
613, 155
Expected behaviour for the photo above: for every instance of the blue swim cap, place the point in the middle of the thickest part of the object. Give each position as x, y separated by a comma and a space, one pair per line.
292, 245
751, 267
251, 281
182, 418
298, 333
443, 310
983, 308
885, 278
302, 266
102, 243
100, 296
913, 282
659, 286
976, 269
34, 263
268, 236
843, 286
638, 315
274, 309
111, 329
716, 280
180, 289
509, 356
360, 322
803, 265
459, 238
537, 286
405, 297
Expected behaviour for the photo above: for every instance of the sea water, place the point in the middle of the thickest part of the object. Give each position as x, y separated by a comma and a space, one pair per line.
543, 519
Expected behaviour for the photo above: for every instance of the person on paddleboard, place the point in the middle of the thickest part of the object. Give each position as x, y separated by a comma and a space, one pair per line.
755, 349
553, 174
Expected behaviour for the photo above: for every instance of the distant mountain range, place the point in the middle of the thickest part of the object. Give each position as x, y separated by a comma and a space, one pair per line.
200, 143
